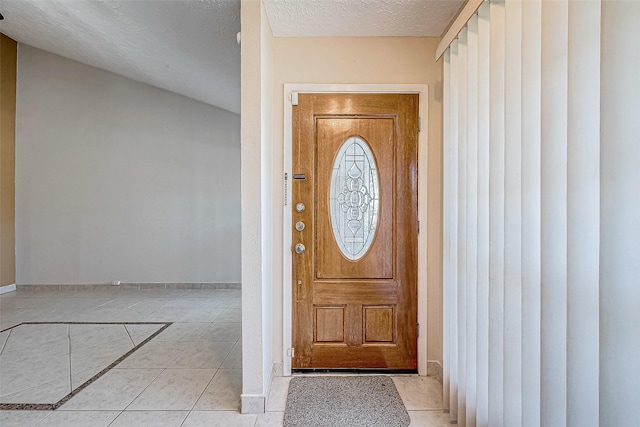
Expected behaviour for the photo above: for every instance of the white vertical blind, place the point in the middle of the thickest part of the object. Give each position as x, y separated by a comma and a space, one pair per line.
452, 186
462, 224
542, 215
531, 113
472, 220
447, 225
482, 312
583, 232
554, 212
496, 211
513, 216
619, 214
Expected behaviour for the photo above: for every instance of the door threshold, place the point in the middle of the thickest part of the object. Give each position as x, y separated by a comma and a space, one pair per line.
359, 371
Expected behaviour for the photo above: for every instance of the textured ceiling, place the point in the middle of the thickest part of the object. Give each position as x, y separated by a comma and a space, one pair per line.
329, 18
189, 46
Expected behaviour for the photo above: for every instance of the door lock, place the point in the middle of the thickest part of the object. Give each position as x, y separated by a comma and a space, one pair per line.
300, 207
299, 248
299, 225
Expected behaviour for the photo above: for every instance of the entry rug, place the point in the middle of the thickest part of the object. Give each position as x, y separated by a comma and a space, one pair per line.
344, 401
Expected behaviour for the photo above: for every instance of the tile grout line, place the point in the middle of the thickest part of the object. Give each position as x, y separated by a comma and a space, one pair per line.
203, 391
11, 327
105, 303
144, 389
70, 368
128, 333
229, 354
117, 416
4, 344
188, 413
42, 420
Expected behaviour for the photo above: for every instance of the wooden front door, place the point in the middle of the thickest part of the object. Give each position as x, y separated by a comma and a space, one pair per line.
355, 231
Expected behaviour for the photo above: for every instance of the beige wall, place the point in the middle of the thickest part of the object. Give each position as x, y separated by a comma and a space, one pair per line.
7, 159
387, 60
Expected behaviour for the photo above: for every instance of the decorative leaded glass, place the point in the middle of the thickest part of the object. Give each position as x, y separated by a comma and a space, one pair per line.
354, 198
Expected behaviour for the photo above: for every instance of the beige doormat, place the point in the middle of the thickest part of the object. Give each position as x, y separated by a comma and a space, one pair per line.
344, 401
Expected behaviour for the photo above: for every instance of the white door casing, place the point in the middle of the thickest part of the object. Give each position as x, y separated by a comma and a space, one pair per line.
290, 96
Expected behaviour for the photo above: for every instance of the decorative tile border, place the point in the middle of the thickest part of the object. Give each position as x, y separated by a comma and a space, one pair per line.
65, 399
127, 286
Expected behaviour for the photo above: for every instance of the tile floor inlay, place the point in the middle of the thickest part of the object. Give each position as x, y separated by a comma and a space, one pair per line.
44, 364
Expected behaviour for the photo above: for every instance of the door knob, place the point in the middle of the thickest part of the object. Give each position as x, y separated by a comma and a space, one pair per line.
299, 248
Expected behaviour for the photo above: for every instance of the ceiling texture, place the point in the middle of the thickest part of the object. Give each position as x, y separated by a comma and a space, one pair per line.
189, 46
360, 18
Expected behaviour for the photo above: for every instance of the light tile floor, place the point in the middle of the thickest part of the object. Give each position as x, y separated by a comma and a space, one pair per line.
189, 375
43, 363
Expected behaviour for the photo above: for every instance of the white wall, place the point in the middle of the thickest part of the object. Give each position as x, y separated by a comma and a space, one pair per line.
258, 206
117, 180
270, 206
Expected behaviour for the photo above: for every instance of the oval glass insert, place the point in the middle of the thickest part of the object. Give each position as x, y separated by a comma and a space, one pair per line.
354, 198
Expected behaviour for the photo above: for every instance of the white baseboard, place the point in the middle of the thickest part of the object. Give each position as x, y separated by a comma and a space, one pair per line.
277, 370
7, 288
125, 286
252, 404
434, 369
257, 404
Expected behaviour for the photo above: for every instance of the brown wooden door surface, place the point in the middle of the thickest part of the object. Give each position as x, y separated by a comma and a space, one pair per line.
355, 289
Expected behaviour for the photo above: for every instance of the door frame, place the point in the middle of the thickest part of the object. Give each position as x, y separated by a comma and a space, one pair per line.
290, 98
